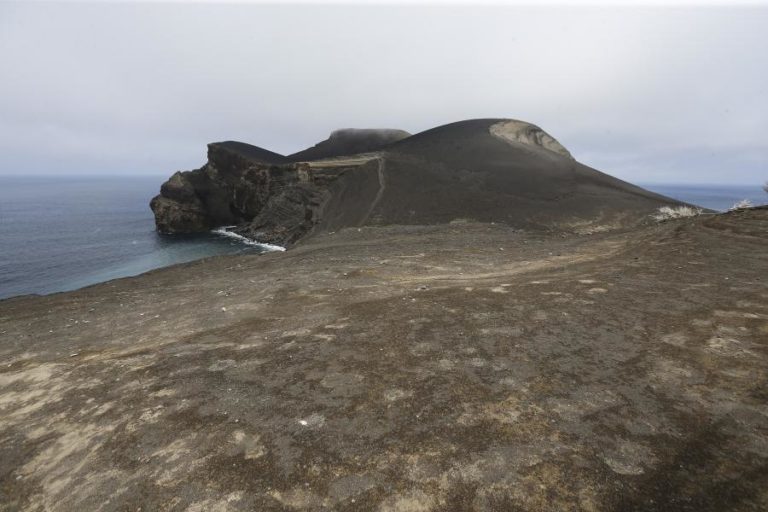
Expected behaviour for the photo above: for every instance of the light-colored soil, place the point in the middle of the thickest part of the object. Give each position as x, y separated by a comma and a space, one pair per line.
456, 367
520, 132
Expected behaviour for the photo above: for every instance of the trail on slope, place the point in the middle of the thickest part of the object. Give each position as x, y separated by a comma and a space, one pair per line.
382, 188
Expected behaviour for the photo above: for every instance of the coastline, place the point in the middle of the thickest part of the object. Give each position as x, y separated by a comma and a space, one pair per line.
64, 232
92, 265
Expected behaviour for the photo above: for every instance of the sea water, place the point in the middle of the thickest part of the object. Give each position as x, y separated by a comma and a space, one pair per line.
714, 197
63, 233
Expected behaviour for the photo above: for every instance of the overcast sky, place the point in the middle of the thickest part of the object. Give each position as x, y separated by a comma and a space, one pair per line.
649, 94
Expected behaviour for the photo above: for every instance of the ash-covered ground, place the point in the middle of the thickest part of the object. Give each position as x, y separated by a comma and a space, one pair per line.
457, 367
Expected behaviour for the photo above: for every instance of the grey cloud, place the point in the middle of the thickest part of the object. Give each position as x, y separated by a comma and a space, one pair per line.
659, 94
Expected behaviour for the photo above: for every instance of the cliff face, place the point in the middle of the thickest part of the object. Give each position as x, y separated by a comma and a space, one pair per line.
266, 196
232, 188
486, 170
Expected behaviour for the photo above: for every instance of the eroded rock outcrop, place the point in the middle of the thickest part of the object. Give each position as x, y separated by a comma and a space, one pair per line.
267, 197
520, 132
232, 188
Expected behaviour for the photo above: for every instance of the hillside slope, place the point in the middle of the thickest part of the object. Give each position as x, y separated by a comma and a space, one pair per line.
439, 368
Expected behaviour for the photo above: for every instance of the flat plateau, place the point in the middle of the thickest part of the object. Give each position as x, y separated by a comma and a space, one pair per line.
456, 367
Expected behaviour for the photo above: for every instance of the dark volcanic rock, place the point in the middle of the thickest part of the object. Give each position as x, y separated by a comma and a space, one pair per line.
231, 188
486, 170
350, 141
246, 151
173, 216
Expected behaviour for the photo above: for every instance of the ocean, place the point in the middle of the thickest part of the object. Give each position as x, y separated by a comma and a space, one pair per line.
714, 197
63, 233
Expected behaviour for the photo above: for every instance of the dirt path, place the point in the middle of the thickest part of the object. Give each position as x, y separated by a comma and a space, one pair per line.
382, 188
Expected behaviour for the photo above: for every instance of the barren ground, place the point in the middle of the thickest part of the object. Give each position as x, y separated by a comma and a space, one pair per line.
462, 367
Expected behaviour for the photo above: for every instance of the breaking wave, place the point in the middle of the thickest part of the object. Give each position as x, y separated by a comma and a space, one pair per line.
224, 231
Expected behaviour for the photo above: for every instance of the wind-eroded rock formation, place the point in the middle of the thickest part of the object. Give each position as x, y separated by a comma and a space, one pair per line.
487, 170
233, 187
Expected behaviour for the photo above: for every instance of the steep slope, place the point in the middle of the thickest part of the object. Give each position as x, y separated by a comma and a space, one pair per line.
497, 170
486, 170
231, 188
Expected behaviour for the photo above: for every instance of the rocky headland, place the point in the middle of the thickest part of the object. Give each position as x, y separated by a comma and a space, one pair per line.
485, 170
467, 320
